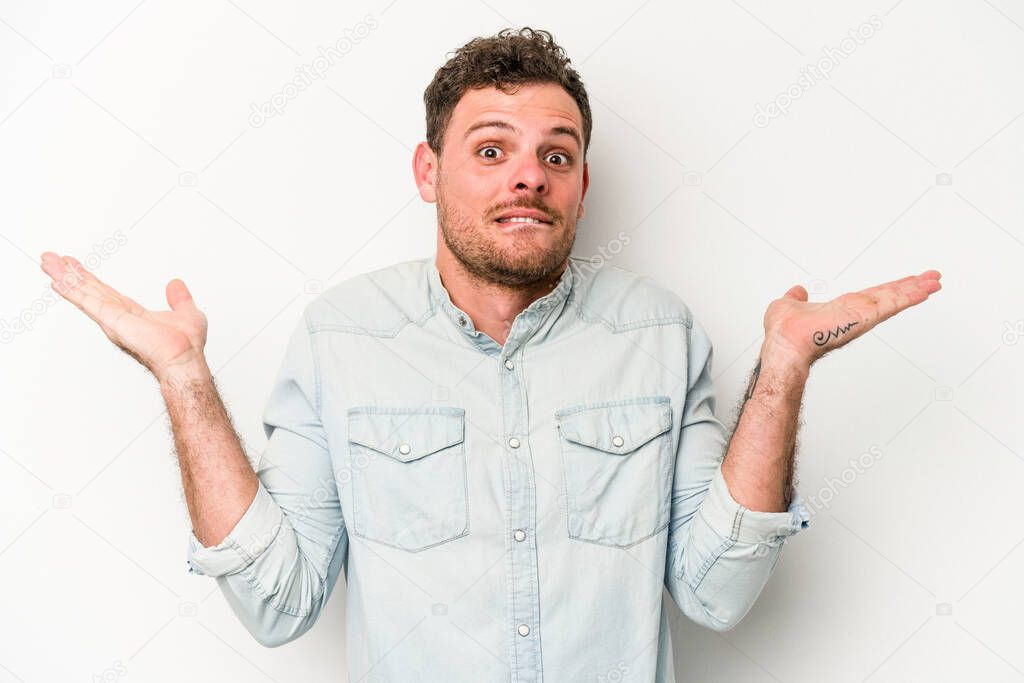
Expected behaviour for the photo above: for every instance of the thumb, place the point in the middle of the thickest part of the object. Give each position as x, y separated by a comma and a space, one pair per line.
796, 292
178, 296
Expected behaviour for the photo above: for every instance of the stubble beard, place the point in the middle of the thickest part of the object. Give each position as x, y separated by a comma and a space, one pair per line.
474, 246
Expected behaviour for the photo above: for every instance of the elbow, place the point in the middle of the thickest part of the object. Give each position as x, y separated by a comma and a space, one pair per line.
716, 615
272, 628
270, 638
722, 614
274, 618
721, 627
275, 638
722, 622
719, 601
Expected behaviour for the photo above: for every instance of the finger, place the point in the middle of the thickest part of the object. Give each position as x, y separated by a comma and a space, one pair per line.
928, 286
178, 296
71, 281
928, 280
89, 278
53, 265
93, 285
908, 291
898, 296
796, 292
921, 287
59, 268
77, 266
65, 281
873, 291
106, 311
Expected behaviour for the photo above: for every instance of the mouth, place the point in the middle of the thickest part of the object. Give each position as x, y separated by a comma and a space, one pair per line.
524, 217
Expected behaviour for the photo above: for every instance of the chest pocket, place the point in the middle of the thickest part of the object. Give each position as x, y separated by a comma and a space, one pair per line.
409, 485
618, 465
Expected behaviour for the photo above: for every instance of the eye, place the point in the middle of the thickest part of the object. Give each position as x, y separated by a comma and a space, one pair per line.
566, 158
488, 156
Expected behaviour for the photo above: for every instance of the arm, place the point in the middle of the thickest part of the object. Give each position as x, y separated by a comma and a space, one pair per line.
274, 538
218, 481
731, 514
759, 464
278, 566
720, 553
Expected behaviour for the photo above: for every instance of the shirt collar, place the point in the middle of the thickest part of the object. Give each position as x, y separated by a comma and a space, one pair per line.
525, 325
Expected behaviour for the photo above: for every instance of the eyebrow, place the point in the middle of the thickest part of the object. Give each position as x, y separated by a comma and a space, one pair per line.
505, 125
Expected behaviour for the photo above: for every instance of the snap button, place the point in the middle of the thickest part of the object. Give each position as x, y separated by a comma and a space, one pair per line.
404, 449
520, 535
617, 441
509, 364
462, 320
513, 442
524, 630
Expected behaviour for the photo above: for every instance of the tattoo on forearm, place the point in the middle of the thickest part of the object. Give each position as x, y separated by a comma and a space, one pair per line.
822, 338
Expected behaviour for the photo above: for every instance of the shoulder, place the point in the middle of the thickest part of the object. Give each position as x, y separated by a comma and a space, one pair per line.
377, 303
622, 299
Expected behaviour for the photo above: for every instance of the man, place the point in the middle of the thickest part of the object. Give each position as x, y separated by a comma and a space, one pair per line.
507, 450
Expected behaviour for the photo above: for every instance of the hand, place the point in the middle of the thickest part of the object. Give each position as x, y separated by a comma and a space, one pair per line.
803, 332
159, 340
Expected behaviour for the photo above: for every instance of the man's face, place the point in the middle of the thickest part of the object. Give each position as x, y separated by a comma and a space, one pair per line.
509, 154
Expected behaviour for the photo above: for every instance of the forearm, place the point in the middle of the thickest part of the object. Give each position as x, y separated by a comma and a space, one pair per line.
218, 480
758, 465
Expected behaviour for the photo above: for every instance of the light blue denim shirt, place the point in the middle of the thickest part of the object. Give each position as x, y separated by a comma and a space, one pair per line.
501, 512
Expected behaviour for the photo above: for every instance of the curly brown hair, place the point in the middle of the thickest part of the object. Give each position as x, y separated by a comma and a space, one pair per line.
504, 61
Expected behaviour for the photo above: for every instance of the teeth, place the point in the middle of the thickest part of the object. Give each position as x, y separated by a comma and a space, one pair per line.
519, 219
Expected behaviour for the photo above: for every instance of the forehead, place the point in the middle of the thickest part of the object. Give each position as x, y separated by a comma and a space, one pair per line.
531, 105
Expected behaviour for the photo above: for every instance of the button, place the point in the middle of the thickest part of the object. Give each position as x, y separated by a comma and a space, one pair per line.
513, 442
524, 630
510, 365
462, 320
404, 449
520, 535
617, 441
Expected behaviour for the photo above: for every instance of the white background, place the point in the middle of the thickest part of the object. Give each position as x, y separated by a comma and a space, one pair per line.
131, 123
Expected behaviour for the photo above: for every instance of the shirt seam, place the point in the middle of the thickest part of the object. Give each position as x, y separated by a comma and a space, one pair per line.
615, 328
316, 366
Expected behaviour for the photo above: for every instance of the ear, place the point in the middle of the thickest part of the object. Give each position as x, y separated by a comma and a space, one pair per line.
586, 183
424, 171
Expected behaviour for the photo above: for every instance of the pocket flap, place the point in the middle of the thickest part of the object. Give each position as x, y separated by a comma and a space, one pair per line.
616, 427
406, 434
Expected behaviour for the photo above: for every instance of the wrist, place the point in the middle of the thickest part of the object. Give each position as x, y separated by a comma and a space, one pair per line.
784, 363
187, 372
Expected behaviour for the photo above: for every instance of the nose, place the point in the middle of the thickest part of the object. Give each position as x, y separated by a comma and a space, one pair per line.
529, 175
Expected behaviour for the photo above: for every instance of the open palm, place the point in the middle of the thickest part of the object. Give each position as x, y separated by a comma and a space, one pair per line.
159, 340
809, 330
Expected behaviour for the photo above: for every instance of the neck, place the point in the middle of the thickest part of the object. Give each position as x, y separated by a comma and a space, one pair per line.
492, 307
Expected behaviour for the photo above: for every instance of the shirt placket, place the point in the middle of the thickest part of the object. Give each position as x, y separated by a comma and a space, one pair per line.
523, 597
521, 544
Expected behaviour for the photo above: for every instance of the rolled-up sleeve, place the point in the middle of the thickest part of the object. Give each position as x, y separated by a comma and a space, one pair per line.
720, 553
249, 539
278, 566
